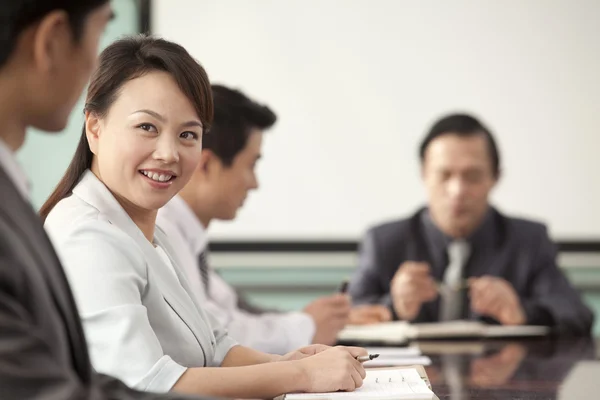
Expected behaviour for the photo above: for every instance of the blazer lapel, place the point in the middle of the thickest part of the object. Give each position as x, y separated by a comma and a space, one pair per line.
191, 303
27, 224
94, 192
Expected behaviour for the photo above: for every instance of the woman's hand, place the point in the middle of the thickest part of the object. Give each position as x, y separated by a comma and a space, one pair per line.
333, 369
304, 352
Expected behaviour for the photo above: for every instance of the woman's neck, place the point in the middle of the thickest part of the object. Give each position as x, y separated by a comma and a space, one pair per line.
144, 219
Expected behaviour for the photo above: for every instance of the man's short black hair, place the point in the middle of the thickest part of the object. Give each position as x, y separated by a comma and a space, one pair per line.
236, 116
462, 125
17, 15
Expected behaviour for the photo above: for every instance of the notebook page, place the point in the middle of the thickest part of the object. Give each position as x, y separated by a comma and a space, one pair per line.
447, 329
389, 332
397, 361
380, 384
411, 351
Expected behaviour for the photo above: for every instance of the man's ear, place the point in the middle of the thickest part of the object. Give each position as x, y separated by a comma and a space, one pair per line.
51, 40
92, 130
497, 177
209, 162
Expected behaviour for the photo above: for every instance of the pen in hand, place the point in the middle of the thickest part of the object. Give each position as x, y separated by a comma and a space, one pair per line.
344, 287
366, 358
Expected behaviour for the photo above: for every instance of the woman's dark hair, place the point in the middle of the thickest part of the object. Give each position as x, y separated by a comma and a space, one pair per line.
236, 115
463, 125
124, 60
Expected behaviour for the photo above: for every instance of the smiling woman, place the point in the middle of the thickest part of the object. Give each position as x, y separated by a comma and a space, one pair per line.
148, 104
123, 134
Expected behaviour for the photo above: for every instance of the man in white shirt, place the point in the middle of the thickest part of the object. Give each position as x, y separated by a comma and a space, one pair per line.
217, 190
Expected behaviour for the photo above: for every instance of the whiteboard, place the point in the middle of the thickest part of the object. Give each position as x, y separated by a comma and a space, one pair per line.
357, 83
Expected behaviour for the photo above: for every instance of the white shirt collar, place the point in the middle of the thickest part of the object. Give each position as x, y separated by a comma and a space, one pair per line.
11, 166
185, 220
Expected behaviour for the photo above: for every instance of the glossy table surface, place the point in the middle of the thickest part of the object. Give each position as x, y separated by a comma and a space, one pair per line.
531, 369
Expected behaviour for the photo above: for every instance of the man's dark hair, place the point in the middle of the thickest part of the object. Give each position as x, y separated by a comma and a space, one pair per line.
235, 117
462, 125
17, 15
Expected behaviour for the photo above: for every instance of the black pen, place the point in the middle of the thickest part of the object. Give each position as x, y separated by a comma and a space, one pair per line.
366, 358
344, 286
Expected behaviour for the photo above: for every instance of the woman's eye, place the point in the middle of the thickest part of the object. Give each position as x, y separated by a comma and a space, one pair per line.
147, 127
189, 135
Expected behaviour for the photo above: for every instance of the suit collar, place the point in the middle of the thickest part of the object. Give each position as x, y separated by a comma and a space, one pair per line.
483, 233
179, 213
13, 170
175, 290
26, 223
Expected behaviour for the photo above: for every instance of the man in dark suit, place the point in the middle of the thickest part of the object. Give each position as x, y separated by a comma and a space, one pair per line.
459, 257
47, 52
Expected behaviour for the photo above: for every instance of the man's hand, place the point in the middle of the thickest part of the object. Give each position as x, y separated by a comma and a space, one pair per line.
369, 314
495, 297
330, 314
412, 286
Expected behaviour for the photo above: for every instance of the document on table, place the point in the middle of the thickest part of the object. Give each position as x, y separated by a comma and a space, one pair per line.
397, 361
396, 356
399, 332
387, 332
457, 329
411, 351
401, 384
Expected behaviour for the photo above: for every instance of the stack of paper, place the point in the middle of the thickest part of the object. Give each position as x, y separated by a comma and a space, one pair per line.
385, 332
396, 356
401, 384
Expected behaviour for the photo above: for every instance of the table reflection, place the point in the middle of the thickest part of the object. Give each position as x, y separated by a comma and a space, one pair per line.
525, 370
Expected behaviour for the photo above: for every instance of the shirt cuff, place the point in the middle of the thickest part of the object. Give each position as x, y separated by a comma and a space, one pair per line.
162, 377
224, 344
304, 329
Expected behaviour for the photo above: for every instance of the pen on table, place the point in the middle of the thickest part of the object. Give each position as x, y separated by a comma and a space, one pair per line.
366, 358
344, 287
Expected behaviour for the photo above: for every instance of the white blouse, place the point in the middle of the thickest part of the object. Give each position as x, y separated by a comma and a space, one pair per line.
141, 321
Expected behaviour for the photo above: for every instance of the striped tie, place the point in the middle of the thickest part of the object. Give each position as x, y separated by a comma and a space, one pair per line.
452, 297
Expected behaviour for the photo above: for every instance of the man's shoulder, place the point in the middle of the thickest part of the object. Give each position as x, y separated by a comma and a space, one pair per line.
391, 230
524, 231
523, 226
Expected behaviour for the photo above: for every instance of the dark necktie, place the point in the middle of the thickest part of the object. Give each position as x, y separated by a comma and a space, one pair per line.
203, 266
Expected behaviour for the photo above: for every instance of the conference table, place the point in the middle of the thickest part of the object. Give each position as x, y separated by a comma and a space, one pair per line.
527, 369
516, 369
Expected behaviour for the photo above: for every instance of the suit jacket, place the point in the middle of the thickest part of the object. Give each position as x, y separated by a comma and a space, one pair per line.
142, 322
517, 250
43, 351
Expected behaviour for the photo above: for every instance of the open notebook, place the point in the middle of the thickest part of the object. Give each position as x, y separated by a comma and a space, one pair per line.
399, 332
396, 356
402, 384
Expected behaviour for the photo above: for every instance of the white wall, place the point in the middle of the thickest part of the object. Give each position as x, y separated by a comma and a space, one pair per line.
356, 83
